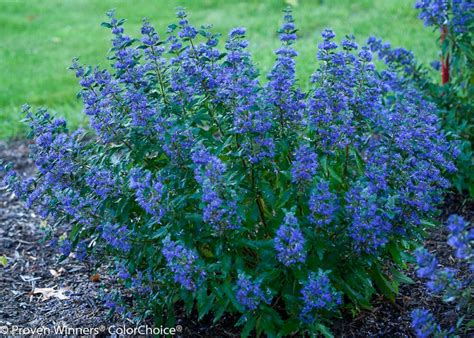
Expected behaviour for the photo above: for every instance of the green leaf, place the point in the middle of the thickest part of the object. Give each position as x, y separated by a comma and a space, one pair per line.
395, 252
74, 231
324, 330
401, 277
3, 261
106, 24
205, 302
284, 198
161, 232
387, 288
221, 309
428, 223
334, 175
356, 297
205, 250
359, 161
227, 288
188, 302
267, 192
249, 326
289, 327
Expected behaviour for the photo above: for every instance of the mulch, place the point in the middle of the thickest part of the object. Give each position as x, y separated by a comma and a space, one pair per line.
34, 264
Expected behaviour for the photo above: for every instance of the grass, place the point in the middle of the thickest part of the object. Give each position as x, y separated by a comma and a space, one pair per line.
38, 39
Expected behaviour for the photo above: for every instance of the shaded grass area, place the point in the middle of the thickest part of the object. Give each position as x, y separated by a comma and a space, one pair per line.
38, 39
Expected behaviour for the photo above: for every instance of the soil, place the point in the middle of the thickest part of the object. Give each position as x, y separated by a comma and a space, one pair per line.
33, 264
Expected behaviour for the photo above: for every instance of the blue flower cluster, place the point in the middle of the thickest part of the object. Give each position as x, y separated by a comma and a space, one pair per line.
181, 262
318, 294
305, 164
113, 302
322, 205
220, 209
395, 58
117, 236
457, 14
148, 192
289, 241
370, 226
438, 280
252, 120
65, 247
102, 182
427, 263
424, 323
250, 294
461, 239
281, 91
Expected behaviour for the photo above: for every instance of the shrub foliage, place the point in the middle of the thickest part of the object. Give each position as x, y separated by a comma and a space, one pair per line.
209, 188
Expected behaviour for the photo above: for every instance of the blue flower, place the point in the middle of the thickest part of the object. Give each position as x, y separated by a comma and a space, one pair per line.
433, 12
459, 238
81, 250
102, 182
423, 323
305, 164
148, 192
65, 247
318, 294
281, 88
322, 204
443, 279
289, 242
456, 225
117, 236
250, 294
436, 65
370, 224
426, 262
181, 262
220, 209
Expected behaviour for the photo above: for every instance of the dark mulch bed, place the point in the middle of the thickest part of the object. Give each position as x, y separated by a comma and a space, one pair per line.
32, 264
393, 319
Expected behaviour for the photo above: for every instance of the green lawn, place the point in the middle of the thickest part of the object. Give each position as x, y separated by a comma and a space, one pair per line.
38, 39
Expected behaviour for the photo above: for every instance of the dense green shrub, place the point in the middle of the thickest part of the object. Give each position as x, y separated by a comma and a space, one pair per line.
208, 188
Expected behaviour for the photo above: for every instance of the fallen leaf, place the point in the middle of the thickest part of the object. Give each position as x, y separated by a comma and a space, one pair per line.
95, 278
3, 261
51, 293
27, 278
54, 273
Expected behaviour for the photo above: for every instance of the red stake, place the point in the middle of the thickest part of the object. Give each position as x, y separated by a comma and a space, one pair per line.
444, 58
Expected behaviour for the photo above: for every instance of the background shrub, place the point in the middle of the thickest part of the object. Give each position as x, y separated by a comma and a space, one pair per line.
453, 95
208, 188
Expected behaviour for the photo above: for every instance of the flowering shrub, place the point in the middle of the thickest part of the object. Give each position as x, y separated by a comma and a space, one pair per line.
444, 282
453, 96
211, 189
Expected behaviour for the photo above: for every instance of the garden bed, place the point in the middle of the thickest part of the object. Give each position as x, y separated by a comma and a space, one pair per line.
33, 263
